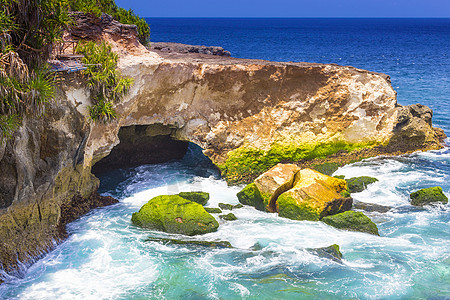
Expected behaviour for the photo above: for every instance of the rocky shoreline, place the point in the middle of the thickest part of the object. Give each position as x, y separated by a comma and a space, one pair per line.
247, 116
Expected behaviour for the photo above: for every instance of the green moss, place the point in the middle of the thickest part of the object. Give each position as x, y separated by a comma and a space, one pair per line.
216, 244
345, 193
428, 196
353, 221
199, 197
289, 208
226, 206
213, 210
228, 217
238, 206
326, 168
246, 163
250, 195
174, 214
339, 176
359, 184
332, 252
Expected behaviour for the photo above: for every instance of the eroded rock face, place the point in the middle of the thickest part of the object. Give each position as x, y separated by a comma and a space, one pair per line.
313, 197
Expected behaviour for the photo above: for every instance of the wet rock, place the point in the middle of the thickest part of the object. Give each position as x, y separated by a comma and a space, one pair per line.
237, 206
313, 197
371, 207
331, 252
198, 197
207, 244
226, 206
359, 184
213, 210
174, 214
327, 168
352, 221
268, 186
228, 217
428, 196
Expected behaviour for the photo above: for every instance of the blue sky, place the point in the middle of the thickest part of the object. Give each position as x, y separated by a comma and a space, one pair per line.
289, 8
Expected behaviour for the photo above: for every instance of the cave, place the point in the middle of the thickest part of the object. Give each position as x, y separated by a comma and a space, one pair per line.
141, 145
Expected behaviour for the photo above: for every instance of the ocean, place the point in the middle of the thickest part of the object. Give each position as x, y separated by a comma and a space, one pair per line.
106, 257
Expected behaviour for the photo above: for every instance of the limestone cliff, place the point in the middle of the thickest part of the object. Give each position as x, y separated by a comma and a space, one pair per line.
247, 115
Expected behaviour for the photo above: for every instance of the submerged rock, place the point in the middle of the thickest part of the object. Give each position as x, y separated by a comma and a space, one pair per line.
428, 196
228, 217
213, 210
198, 197
175, 214
353, 221
359, 184
226, 206
313, 197
268, 186
371, 207
332, 252
208, 244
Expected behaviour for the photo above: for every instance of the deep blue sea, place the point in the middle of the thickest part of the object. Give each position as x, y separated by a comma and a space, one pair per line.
107, 258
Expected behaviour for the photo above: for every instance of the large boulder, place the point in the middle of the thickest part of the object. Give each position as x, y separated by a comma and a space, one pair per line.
353, 221
174, 214
264, 191
359, 184
313, 197
428, 196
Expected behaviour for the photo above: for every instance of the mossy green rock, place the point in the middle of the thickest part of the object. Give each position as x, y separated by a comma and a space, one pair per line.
359, 184
250, 195
353, 221
332, 252
228, 217
225, 206
327, 168
213, 210
174, 214
428, 196
198, 197
207, 244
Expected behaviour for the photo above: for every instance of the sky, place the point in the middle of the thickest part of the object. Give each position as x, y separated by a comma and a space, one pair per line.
288, 8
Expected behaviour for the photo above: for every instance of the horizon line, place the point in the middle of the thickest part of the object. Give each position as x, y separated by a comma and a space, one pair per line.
278, 17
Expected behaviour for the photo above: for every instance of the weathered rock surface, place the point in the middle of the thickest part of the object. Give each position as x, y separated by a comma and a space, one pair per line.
371, 207
353, 221
428, 196
247, 115
183, 48
174, 214
314, 196
359, 184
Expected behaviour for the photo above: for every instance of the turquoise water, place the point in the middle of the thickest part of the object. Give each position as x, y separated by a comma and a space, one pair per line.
106, 257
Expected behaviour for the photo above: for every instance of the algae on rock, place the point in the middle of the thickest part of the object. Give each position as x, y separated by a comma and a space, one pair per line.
428, 196
175, 214
198, 197
353, 221
359, 184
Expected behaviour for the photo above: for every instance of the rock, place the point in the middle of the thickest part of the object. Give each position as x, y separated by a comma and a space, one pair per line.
226, 206
359, 184
371, 207
269, 186
353, 221
213, 210
237, 206
199, 197
331, 252
326, 168
251, 196
183, 48
207, 244
174, 214
313, 197
228, 217
428, 196
339, 176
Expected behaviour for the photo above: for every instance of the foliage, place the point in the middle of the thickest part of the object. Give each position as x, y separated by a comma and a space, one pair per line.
105, 82
97, 7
